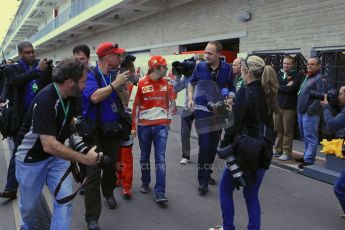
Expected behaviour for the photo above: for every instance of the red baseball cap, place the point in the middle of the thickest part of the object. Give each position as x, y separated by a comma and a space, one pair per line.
106, 48
156, 61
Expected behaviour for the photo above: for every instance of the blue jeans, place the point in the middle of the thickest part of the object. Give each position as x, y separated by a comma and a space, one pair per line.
208, 138
158, 135
308, 126
250, 193
339, 189
31, 178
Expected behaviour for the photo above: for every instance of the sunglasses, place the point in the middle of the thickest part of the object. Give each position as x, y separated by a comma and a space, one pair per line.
245, 62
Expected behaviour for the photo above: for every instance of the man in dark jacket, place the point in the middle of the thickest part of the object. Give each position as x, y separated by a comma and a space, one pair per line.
309, 110
25, 79
284, 121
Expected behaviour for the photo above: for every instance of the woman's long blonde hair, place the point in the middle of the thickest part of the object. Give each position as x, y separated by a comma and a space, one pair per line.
268, 78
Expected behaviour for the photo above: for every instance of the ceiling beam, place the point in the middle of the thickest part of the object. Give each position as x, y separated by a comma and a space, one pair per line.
144, 7
101, 23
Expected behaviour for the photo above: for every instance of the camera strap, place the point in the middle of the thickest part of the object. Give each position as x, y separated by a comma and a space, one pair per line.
66, 199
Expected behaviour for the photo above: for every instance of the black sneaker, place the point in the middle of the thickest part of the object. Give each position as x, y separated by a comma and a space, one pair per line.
161, 198
144, 189
92, 225
9, 194
301, 166
111, 202
203, 188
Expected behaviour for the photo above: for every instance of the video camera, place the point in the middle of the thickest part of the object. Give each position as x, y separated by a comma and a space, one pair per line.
185, 68
128, 64
221, 108
332, 98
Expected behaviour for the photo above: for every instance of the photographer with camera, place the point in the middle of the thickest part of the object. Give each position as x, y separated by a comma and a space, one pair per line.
253, 110
335, 123
217, 75
183, 72
309, 110
41, 157
23, 81
102, 97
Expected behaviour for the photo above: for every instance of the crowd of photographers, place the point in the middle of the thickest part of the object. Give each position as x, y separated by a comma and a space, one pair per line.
52, 114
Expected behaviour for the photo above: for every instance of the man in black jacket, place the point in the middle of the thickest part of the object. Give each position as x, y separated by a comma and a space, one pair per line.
284, 120
24, 80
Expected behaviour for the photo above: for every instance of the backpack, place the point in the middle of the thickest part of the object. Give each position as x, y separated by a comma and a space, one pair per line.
10, 119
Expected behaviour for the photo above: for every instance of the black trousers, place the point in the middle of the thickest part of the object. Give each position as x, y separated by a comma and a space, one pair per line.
97, 177
187, 119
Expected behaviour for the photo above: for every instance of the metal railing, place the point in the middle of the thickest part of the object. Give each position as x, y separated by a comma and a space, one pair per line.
333, 67
74, 10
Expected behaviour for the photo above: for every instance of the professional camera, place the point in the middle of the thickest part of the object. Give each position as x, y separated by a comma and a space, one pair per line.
332, 98
128, 64
227, 153
185, 68
76, 143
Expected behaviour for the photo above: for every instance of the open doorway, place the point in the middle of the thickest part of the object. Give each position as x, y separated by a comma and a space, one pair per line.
230, 48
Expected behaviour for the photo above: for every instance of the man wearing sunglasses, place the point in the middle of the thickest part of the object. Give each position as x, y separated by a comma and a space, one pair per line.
102, 97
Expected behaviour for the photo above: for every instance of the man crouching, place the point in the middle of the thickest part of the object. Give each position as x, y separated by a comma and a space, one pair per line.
41, 157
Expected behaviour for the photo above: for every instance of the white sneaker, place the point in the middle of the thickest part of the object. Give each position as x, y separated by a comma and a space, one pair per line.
184, 161
284, 157
218, 227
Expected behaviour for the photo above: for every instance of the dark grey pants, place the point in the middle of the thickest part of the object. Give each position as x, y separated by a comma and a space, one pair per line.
97, 179
187, 118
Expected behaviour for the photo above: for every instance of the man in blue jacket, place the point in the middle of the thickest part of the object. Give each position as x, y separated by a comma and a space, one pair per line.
333, 124
213, 72
309, 110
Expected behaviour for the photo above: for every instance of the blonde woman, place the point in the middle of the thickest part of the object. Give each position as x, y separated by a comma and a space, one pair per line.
253, 109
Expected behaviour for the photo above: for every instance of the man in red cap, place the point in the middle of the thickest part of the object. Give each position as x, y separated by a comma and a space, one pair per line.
103, 99
152, 101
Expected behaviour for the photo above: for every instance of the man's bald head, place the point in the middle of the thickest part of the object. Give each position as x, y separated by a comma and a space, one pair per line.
236, 66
